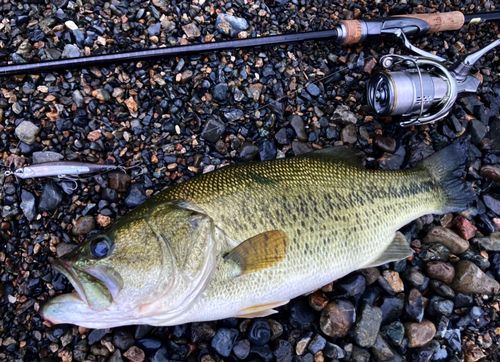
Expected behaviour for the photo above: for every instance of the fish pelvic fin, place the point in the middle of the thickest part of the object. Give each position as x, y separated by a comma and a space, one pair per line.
261, 310
446, 167
397, 250
259, 252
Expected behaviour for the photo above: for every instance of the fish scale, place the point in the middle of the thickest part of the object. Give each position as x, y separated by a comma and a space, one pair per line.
245, 239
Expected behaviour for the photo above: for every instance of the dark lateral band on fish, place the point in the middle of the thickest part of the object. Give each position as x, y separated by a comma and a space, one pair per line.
245, 239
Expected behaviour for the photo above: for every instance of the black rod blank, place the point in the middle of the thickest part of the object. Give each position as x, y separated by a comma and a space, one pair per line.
177, 51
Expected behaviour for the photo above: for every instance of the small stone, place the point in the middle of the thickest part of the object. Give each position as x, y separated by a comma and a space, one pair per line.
267, 150
131, 106
46, 156
28, 205
27, 132
51, 197
103, 220
283, 351
318, 300
490, 243
135, 196
371, 275
122, 339
255, 90
440, 271
392, 308
203, 331
276, 329
220, 92
300, 148
317, 344
448, 238
154, 29
434, 252
394, 333
94, 135
470, 279
249, 151
298, 126
337, 318
368, 325
71, 25
349, 135
186, 76
213, 130
441, 289
84, 225
381, 349
191, 31
135, 354
343, 113
439, 306
386, 144
259, 333
354, 285
464, 227
477, 130
70, 51
419, 334
223, 341
96, 335
391, 282
119, 181
313, 90
415, 305
241, 349
491, 171
102, 94
369, 65
230, 25
302, 343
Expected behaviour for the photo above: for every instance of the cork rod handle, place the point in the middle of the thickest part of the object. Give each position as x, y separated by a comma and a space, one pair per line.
452, 20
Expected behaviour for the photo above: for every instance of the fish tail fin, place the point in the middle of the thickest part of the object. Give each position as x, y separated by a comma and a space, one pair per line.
446, 167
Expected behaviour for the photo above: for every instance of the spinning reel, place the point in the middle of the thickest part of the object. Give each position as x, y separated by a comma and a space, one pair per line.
426, 90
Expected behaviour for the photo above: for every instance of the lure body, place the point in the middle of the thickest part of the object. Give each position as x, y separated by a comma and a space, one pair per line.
60, 168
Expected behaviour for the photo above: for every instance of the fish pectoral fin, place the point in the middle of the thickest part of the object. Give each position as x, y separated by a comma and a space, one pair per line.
261, 310
259, 252
397, 250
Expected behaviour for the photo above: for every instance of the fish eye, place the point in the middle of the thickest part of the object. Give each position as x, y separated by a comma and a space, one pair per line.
100, 247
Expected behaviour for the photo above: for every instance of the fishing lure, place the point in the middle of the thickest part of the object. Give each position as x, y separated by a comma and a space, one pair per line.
61, 169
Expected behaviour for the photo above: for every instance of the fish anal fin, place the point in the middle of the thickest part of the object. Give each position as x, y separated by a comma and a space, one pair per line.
259, 252
397, 250
261, 310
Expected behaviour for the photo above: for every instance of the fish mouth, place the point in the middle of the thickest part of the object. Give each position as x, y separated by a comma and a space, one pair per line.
88, 289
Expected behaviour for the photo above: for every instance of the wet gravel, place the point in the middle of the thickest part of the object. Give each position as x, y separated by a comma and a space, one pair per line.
175, 119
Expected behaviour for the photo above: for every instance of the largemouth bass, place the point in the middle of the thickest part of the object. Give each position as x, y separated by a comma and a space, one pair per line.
246, 239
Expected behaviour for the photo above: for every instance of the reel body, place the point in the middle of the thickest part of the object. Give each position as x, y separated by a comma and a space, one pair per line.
426, 89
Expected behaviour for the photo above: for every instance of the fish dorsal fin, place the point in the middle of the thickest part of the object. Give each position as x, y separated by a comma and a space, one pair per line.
261, 310
397, 250
260, 252
344, 154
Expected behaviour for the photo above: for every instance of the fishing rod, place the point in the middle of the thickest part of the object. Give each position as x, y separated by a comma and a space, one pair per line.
346, 32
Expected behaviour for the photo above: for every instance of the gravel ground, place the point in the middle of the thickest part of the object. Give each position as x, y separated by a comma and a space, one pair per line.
178, 118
